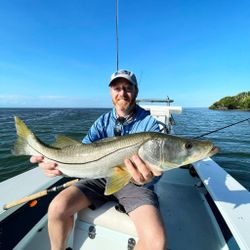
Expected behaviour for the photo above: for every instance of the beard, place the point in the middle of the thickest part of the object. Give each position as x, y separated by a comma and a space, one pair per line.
124, 105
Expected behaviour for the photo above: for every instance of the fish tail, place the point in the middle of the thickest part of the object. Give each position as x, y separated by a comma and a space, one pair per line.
22, 130
21, 146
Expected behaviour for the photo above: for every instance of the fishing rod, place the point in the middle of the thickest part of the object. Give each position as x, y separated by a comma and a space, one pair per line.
35, 196
216, 130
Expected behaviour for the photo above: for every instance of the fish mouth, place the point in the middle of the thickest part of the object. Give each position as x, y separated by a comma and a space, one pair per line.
213, 151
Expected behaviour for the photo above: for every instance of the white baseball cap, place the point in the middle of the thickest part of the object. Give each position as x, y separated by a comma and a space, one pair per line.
130, 76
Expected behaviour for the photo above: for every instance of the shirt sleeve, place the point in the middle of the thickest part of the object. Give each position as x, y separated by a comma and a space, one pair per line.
94, 134
152, 125
88, 138
155, 126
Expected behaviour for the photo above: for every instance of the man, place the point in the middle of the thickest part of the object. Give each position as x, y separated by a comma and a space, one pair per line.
139, 202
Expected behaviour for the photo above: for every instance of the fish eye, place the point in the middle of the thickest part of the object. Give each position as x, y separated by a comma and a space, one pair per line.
188, 145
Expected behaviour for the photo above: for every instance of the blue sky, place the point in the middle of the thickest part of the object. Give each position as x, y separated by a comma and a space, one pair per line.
61, 53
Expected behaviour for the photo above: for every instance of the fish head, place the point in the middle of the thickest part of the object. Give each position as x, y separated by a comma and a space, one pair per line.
177, 151
168, 151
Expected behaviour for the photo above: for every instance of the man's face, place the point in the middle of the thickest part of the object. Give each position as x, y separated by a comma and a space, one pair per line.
123, 95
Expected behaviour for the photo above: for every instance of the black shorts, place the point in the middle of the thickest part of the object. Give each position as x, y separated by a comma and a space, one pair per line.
130, 197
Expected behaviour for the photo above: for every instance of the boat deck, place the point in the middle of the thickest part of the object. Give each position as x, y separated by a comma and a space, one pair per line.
189, 222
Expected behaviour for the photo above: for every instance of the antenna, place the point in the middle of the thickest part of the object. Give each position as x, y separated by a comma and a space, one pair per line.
117, 48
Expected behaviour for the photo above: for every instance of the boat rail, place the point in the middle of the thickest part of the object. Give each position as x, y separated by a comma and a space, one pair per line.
230, 197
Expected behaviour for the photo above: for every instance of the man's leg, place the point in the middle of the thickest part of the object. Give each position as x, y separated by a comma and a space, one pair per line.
61, 214
150, 228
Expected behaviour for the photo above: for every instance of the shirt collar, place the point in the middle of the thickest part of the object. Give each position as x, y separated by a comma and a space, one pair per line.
129, 118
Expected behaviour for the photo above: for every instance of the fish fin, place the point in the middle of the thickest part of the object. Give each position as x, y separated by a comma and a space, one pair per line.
23, 132
63, 141
119, 178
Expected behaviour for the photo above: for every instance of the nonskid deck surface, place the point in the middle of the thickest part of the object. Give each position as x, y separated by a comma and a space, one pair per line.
188, 220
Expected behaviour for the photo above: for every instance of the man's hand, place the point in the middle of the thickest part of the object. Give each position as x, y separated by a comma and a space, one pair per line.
139, 170
49, 168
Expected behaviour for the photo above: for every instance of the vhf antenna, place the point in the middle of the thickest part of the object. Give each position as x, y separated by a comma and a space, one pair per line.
117, 48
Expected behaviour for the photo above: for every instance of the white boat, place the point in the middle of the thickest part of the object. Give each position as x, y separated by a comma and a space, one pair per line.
203, 207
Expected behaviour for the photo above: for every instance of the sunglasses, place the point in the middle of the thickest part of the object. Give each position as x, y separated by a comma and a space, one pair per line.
118, 126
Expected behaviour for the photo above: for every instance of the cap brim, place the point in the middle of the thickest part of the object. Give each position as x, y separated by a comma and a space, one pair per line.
121, 77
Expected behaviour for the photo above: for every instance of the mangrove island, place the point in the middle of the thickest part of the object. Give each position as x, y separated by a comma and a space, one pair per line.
240, 101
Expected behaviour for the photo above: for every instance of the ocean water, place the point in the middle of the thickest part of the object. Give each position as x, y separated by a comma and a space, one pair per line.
234, 142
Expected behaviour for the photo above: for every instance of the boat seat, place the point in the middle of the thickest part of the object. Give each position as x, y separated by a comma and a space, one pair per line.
107, 216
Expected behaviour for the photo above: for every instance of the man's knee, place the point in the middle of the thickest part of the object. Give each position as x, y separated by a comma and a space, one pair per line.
156, 241
159, 242
57, 209
67, 203
150, 227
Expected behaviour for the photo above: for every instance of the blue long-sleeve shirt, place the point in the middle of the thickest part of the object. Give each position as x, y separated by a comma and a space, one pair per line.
104, 126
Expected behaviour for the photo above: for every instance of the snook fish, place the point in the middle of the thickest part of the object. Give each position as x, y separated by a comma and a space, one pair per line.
105, 158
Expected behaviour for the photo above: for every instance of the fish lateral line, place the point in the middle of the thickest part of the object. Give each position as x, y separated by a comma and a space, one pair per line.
81, 163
